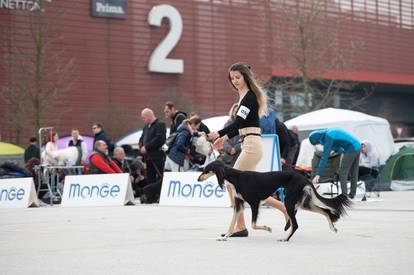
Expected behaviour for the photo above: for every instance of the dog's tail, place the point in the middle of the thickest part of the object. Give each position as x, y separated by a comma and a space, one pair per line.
335, 207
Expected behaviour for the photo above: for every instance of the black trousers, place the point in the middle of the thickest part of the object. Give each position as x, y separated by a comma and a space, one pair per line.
155, 170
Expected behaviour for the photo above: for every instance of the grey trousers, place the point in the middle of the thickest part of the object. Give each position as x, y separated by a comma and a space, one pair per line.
349, 168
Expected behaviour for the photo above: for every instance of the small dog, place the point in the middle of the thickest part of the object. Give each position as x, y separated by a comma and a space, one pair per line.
254, 187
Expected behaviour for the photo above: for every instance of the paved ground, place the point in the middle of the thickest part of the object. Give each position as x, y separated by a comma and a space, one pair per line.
376, 238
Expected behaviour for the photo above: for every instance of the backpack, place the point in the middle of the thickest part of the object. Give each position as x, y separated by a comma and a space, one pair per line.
170, 140
267, 122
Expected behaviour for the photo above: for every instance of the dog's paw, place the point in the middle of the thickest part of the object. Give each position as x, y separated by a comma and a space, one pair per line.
221, 239
282, 240
267, 228
287, 226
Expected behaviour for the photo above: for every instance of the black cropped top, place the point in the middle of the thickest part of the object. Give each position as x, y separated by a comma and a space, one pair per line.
247, 116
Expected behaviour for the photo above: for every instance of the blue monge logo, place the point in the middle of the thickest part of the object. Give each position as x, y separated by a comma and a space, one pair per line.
102, 191
197, 190
11, 194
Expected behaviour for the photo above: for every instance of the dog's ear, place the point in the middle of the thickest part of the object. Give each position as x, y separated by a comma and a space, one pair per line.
219, 171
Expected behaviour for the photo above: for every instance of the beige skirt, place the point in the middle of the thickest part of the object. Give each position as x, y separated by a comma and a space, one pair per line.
251, 150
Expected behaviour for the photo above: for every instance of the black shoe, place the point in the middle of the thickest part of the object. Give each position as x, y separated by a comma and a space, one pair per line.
242, 233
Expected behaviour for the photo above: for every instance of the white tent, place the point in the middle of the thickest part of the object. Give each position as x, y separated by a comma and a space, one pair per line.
363, 126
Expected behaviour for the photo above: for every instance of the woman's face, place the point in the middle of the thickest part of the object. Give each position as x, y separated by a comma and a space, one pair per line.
363, 148
195, 127
55, 137
238, 80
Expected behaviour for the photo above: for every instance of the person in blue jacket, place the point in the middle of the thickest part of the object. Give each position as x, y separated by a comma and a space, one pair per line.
339, 141
179, 149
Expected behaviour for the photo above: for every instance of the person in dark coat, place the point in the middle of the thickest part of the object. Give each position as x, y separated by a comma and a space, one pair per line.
284, 141
177, 117
100, 134
294, 145
180, 148
152, 139
119, 159
32, 151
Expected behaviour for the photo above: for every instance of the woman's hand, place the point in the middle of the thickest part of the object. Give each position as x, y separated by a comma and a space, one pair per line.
219, 143
213, 136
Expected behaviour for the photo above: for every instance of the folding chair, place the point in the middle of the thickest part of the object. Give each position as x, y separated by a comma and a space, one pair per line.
331, 172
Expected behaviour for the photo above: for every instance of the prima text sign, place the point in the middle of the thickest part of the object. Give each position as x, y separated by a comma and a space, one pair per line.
97, 190
109, 8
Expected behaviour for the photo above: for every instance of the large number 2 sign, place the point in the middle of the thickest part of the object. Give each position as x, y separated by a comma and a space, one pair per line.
158, 61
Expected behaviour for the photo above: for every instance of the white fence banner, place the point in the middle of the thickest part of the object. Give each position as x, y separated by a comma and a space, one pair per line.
183, 189
271, 154
97, 190
18, 193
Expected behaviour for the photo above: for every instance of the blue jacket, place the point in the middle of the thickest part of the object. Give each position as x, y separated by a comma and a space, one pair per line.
333, 139
180, 145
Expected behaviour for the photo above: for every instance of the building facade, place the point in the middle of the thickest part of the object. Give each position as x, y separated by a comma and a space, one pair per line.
126, 55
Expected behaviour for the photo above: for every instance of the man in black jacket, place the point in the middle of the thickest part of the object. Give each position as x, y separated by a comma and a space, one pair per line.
98, 131
150, 144
176, 116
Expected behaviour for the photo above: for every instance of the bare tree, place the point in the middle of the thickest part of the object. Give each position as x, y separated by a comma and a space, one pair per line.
311, 47
38, 72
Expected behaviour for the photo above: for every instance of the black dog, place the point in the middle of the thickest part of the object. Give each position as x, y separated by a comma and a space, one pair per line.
254, 187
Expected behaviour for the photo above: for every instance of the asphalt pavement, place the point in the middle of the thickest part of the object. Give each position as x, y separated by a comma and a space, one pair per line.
377, 237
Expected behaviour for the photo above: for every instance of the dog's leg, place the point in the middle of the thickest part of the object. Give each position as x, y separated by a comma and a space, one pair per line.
316, 209
237, 209
255, 212
290, 208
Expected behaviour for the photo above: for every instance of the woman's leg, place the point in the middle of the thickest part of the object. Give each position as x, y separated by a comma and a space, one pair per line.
278, 205
230, 190
248, 159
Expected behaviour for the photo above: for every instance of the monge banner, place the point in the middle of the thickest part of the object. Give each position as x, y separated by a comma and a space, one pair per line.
97, 190
183, 189
17, 193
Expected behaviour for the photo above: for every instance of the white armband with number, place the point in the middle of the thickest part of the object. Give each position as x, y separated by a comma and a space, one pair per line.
243, 112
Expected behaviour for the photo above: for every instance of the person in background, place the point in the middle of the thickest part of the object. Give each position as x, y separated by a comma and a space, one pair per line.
152, 139
294, 145
284, 142
368, 160
77, 141
232, 147
101, 162
176, 157
100, 134
119, 159
32, 151
177, 117
203, 128
50, 154
339, 141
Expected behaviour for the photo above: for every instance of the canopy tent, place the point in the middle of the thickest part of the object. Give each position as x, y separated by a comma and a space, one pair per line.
398, 173
11, 152
363, 126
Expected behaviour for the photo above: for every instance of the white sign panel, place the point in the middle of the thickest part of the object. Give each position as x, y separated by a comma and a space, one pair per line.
17, 193
97, 190
271, 154
183, 189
